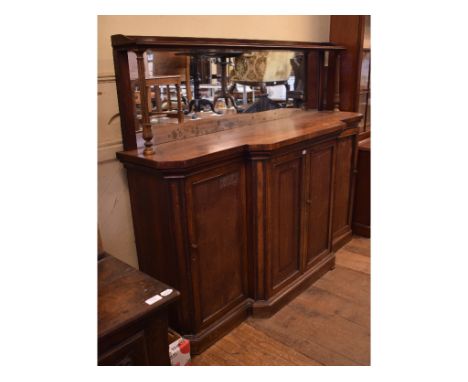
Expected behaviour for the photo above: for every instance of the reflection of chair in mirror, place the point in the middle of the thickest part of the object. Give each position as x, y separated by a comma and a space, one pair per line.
155, 83
166, 81
261, 69
168, 64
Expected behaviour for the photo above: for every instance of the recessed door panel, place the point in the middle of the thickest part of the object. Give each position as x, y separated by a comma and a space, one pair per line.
218, 241
285, 207
319, 203
341, 215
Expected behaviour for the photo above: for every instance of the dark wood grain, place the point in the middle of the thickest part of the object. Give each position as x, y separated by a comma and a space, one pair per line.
319, 201
119, 281
215, 44
218, 243
265, 136
286, 199
131, 332
344, 187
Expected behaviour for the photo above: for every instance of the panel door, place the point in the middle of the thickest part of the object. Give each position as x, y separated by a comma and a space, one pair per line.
319, 202
286, 193
342, 194
217, 231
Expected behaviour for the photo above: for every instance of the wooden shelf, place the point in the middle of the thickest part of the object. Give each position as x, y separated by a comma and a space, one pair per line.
216, 44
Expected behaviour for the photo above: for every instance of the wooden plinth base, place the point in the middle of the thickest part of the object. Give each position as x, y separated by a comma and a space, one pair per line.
258, 309
341, 240
214, 332
361, 229
265, 309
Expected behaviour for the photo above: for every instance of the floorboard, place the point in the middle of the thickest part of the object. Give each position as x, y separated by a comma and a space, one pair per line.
359, 245
246, 346
328, 324
354, 261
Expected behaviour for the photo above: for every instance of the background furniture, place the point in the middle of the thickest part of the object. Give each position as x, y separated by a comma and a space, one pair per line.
262, 68
197, 104
242, 220
362, 201
167, 81
168, 64
353, 32
222, 59
131, 332
153, 85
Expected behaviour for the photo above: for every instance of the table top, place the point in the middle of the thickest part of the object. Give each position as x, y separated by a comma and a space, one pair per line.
122, 292
262, 136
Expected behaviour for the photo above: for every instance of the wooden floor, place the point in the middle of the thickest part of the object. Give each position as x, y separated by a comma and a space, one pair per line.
328, 324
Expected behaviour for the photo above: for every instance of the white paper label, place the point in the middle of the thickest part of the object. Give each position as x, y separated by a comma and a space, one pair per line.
153, 299
166, 292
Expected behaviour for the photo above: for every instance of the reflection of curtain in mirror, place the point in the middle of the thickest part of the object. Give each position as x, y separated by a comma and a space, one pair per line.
263, 66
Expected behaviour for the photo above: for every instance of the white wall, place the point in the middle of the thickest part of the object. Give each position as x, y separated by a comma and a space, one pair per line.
114, 211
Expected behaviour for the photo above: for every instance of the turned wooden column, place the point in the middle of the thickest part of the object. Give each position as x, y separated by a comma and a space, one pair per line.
320, 79
336, 98
125, 98
180, 112
145, 120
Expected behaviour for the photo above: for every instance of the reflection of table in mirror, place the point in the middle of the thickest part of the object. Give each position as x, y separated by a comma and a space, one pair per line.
222, 60
197, 103
209, 89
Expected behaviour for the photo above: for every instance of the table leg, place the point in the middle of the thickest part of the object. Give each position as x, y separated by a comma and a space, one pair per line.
157, 94
169, 102
180, 113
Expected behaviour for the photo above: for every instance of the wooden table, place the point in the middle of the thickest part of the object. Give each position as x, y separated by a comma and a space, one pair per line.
131, 332
222, 59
